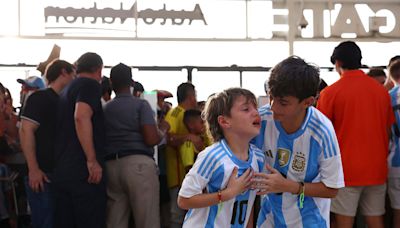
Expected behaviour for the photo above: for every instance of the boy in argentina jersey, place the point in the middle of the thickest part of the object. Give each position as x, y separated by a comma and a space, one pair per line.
303, 164
216, 191
394, 150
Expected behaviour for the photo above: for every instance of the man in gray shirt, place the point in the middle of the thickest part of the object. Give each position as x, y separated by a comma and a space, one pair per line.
131, 133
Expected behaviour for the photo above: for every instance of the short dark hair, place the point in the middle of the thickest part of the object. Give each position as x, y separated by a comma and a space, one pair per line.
294, 77
89, 62
221, 104
183, 91
393, 59
190, 115
138, 87
394, 70
54, 69
376, 72
349, 54
121, 76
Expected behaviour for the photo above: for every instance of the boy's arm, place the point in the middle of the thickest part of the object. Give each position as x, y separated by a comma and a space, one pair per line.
205, 199
176, 140
236, 185
276, 183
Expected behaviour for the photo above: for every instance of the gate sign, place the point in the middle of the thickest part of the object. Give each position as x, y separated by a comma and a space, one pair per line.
306, 19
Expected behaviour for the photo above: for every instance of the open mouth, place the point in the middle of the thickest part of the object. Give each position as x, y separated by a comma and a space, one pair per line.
257, 122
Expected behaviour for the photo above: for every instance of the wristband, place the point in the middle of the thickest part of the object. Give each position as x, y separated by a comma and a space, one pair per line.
301, 194
219, 195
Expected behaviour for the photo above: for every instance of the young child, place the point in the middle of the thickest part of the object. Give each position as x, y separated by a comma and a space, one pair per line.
195, 125
304, 167
216, 190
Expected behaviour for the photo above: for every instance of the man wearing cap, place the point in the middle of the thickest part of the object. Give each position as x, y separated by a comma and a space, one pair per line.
28, 86
361, 113
80, 194
37, 131
131, 133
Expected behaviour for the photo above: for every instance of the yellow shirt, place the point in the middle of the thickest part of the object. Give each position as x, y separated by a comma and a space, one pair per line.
189, 152
175, 169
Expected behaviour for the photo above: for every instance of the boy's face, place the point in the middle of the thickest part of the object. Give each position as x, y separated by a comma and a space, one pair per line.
289, 109
244, 119
197, 126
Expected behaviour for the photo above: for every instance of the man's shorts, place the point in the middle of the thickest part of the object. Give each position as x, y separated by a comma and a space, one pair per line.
394, 192
371, 200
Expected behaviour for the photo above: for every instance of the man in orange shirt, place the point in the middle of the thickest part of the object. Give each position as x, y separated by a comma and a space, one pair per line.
361, 113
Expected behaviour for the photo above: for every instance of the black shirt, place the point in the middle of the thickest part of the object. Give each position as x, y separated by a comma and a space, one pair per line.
69, 155
41, 108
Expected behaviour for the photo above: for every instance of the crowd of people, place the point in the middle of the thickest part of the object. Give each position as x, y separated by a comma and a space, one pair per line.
315, 155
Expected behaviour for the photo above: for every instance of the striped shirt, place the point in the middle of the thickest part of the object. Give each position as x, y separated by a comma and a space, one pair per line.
311, 154
211, 173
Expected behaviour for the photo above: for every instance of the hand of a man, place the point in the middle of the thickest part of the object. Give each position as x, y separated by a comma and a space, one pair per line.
95, 172
36, 180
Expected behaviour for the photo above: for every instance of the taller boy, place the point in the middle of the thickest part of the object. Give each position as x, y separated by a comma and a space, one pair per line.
302, 152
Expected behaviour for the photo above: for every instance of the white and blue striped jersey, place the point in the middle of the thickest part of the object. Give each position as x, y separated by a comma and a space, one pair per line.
394, 148
310, 155
211, 173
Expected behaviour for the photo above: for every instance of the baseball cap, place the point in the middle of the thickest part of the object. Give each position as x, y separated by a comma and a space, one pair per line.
33, 82
163, 93
348, 53
121, 76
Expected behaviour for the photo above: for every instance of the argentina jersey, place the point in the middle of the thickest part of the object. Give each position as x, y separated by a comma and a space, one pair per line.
310, 155
211, 173
394, 153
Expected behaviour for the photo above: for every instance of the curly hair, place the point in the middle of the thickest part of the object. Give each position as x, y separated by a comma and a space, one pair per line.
294, 77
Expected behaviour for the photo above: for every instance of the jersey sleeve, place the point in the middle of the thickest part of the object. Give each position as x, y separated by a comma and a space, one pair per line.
33, 110
330, 161
146, 114
90, 93
187, 151
194, 181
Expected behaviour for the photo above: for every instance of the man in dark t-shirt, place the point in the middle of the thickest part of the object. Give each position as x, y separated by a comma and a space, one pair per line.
38, 121
80, 194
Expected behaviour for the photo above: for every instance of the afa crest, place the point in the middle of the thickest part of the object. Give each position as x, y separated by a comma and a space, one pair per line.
283, 157
299, 162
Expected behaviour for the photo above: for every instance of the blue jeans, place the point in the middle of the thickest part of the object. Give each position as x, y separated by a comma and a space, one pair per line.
41, 204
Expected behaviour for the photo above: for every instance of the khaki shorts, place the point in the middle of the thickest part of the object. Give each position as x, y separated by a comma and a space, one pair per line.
370, 198
394, 192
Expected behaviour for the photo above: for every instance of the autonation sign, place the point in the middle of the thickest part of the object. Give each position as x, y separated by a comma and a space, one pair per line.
218, 19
